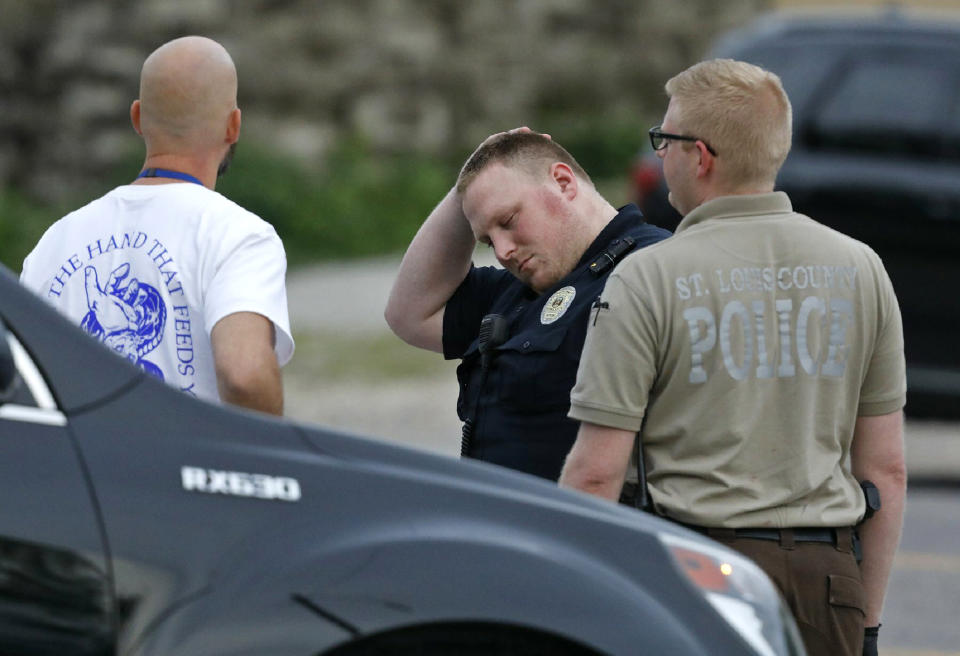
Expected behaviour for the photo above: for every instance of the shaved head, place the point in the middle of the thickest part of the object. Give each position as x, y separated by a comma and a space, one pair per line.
188, 89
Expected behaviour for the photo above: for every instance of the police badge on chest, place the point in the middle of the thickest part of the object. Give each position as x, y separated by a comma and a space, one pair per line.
557, 304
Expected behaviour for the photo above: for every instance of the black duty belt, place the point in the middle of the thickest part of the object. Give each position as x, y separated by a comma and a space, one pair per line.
835, 536
799, 534
843, 538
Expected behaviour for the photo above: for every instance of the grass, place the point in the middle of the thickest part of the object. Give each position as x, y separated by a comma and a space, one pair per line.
363, 357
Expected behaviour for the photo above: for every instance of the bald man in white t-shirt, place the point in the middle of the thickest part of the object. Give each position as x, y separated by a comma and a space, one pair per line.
165, 271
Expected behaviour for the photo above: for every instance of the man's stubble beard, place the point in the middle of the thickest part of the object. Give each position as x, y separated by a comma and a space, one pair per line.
225, 162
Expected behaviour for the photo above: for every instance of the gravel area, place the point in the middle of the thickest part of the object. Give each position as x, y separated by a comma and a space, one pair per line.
350, 297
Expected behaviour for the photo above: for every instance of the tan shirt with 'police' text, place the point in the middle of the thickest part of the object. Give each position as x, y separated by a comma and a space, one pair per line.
746, 345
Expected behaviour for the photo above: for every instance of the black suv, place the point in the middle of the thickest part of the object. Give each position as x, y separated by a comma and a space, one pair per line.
876, 155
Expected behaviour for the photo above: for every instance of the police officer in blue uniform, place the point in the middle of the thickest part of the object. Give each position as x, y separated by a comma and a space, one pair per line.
519, 330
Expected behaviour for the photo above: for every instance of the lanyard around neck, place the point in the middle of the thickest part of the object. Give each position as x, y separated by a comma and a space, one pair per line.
167, 173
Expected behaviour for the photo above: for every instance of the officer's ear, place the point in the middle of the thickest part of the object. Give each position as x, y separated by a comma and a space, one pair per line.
564, 177
707, 162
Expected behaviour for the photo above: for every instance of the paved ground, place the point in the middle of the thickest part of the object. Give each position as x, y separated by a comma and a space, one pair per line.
349, 298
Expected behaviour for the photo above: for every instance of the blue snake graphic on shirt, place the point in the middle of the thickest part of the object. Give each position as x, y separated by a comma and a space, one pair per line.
125, 314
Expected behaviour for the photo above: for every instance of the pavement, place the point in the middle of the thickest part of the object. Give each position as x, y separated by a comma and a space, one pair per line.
349, 297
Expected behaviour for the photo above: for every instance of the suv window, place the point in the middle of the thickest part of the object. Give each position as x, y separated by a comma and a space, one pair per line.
18, 393
893, 95
29, 399
883, 102
897, 99
801, 68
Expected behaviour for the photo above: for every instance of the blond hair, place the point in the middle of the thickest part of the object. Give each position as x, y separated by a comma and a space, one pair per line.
530, 152
741, 110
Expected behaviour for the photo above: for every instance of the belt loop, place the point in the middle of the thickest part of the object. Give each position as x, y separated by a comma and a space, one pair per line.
786, 538
721, 534
843, 539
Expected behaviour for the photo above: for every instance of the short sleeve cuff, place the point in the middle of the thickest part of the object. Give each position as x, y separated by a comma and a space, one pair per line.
284, 346
877, 408
604, 417
283, 339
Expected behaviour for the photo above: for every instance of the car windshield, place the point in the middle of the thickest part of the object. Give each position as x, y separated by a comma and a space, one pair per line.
901, 100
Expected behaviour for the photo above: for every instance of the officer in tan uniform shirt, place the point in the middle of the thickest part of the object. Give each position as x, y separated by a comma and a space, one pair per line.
760, 355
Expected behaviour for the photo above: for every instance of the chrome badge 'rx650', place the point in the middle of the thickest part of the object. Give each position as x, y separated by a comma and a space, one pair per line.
240, 484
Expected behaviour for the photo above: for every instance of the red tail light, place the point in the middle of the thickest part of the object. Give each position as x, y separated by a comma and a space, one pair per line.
646, 175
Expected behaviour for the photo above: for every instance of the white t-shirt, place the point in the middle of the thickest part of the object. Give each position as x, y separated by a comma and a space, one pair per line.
150, 269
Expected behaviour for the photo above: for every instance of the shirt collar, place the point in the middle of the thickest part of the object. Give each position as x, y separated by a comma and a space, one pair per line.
627, 216
740, 206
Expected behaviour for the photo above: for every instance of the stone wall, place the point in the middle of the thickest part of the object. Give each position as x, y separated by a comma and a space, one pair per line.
430, 75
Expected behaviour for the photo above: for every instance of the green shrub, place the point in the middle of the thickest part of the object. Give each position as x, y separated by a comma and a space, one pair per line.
605, 152
360, 204
22, 223
363, 203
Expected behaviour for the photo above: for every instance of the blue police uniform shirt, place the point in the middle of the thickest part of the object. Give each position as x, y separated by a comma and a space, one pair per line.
520, 413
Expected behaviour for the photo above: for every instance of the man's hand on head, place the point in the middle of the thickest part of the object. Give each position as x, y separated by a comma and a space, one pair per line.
497, 135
